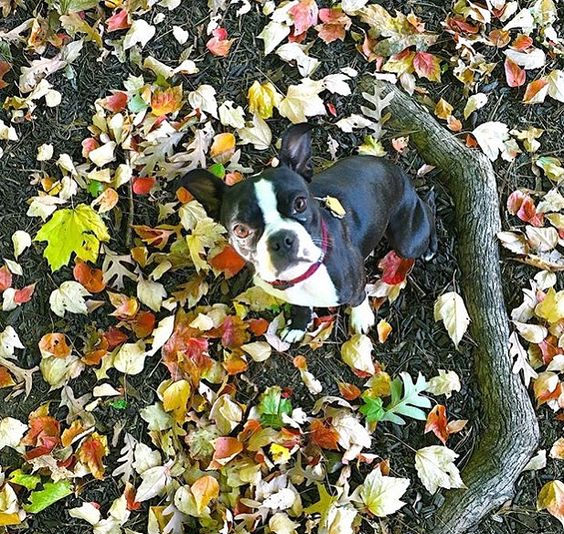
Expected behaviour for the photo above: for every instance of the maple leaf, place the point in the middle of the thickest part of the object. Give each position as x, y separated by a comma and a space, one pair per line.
204, 490
272, 406
305, 15
437, 423
436, 469
427, 66
263, 98
166, 101
51, 493
78, 230
322, 434
219, 45
382, 494
335, 24
302, 101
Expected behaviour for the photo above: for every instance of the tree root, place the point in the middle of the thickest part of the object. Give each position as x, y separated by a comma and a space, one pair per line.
509, 433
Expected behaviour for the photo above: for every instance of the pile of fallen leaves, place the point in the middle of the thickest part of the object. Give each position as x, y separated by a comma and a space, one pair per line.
215, 463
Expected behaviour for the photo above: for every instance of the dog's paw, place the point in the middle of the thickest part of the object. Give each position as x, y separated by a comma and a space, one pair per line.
292, 335
362, 318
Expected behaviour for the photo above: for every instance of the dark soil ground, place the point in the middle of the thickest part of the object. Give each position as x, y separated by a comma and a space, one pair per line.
417, 344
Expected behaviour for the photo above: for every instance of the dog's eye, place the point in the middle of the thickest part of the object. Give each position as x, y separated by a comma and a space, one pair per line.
300, 204
241, 231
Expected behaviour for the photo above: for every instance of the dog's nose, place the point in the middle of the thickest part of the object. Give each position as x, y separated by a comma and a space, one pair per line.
283, 242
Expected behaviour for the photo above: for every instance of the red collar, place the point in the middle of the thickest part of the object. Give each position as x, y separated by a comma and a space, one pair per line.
286, 284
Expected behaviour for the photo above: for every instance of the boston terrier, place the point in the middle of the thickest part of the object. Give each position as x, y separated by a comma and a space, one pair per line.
302, 253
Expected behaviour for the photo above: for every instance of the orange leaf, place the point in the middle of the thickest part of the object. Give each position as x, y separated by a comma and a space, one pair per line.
116, 102
536, 91
43, 434
223, 147
204, 490
427, 66
258, 326
130, 493
227, 261
384, 330
54, 344
143, 324
6, 379
500, 38
514, 74
335, 24
156, 237
4, 68
454, 124
300, 363
235, 364
323, 435
90, 277
5, 278
92, 452
437, 422
349, 391
183, 195
125, 307
219, 45
225, 449
522, 42
69, 434
166, 101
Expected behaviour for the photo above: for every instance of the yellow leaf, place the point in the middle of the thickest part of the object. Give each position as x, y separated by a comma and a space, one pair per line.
334, 206
280, 454
357, 354
552, 307
167, 101
551, 498
443, 109
263, 98
204, 490
175, 396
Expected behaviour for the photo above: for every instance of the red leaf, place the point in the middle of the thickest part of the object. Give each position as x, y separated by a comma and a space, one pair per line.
92, 452
23, 295
514, 74
5, 278
258, 326
116, 102
522, 205
143, 323
44, 434
227, 261
335, 24
349, 391
90, 277
219, 45
130, 492
118, 21
142, 186
88, 145
225, 450
233, 332
305, 16
428, 66
395, 268
114, 337
323, 435
459, 24
437, 422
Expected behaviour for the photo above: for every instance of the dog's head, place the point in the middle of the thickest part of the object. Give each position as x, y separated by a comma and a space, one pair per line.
272, 219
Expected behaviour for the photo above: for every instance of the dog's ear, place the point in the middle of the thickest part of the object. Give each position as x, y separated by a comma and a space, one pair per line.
296, 149
207, 189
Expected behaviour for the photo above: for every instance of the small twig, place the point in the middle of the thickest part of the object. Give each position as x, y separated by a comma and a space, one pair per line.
130, 214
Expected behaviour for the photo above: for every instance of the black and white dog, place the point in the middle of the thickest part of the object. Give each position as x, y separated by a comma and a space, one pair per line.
301, 252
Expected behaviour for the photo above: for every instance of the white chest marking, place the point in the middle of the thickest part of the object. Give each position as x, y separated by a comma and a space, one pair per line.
317, 291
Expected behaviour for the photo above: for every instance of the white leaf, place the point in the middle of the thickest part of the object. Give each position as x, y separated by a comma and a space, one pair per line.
436, 469
523, 19
354, 122
179, 34
45, 152
535, 59
162, 333
9, 341
474, 103
130, 358
11, 432
151, 294
337, 83
542, 239
87, 512
517, 351
533, 333
141, 32
125, 469
297, 52
145, 458
350, 7
259, 351
444, 384
7, 133
259, 135
102, 155
21, 241
491, 136
53, 98
231, 115
69, 297
280, 500
352, 435
556, 85
537, 462
382, 494
273, 34
451, 310
105, 390
155, 480
203, 98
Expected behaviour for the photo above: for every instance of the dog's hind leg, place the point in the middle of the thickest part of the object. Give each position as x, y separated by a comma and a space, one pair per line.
362, 317
296, 327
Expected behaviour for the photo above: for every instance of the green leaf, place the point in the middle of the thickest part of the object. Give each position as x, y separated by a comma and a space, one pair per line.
21, 479
217, 169
136, 104
51, 493
120, 404
272, 406
77, 230
323, 504
373, 409
95, 188
409, 405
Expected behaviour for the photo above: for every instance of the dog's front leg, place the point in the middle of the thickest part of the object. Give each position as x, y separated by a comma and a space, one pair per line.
362, 317
296, 326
